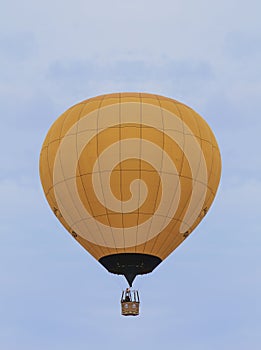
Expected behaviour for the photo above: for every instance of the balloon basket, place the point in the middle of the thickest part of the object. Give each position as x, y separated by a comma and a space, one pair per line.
130, 303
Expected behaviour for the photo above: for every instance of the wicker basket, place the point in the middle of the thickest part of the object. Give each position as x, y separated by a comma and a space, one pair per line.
130, 308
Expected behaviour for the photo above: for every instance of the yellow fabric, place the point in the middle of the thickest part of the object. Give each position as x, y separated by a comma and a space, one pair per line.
130, 172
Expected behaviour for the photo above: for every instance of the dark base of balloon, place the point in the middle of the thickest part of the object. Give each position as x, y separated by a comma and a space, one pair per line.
130, 264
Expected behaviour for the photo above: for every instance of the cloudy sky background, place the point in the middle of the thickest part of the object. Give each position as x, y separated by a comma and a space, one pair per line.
53, 54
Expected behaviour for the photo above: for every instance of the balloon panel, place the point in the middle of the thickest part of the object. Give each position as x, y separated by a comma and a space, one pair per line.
130, 173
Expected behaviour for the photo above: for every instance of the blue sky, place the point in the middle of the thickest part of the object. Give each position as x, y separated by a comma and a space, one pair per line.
53, 294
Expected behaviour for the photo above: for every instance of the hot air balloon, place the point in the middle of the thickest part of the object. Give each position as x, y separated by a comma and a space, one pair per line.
130, 176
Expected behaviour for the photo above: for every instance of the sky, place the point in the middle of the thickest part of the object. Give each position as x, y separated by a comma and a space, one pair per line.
53, 54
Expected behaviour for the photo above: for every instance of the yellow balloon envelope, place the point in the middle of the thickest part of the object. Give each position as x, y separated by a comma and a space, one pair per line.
130, 176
